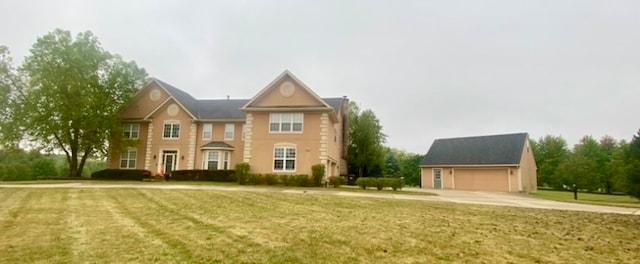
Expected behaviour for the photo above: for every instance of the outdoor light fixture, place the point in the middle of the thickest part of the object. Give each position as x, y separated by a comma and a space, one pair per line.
154, 156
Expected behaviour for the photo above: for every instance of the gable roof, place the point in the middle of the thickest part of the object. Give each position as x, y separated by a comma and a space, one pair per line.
481, 150
225, 109
184, 99
276, 80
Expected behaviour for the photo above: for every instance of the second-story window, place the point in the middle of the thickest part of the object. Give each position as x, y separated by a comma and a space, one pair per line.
229, 131
286, 122
207, 130
131, 130
171, 130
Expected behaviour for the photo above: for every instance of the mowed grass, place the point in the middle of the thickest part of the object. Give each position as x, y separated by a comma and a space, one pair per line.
206, 226
589, 198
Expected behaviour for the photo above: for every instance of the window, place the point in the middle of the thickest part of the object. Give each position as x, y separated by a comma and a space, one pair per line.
171, 130
229, 131
225, 162
216, 160
244, 131
213, 158
207, 130
128, 159
131, 131
285, 122
284, 159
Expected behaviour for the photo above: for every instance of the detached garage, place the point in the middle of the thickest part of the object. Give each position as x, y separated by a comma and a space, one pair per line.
500, 163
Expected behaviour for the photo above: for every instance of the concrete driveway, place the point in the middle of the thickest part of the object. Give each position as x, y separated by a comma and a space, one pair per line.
466, 197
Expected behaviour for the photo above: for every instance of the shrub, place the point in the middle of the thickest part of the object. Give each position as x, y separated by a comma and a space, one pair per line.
317, 174
301, 180
336, 181
204, 175
286, 180
395, 183
242, 172
117, 174
362, 182
256, 179
380, 183
271, 179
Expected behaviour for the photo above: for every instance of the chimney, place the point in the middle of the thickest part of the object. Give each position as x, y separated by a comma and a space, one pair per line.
228, 97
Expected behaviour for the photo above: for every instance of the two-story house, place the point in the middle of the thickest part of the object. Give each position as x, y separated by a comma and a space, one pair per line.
285, 128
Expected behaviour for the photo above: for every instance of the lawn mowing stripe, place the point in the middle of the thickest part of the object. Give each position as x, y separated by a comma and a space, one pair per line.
180, 248
197, 219
77, 230
14, 208
38, 232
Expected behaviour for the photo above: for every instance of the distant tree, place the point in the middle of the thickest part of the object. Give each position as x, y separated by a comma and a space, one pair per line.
43, 167
578, 170
589, 152
366, 150
392, 163
607, 146
633, 169
410, 168
549, 152
620, 160
73, 91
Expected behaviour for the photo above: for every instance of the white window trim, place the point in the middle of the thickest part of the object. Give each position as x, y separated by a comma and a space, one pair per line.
233, 131
131, 126
284, 159
280, 122
127, 152
204, 130
172, 122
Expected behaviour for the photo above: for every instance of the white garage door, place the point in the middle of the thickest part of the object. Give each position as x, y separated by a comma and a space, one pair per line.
481, 180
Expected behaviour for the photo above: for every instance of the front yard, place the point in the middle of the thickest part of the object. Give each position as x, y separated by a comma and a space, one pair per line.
208, 226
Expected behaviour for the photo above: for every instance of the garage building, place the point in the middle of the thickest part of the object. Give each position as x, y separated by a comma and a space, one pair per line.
500, 163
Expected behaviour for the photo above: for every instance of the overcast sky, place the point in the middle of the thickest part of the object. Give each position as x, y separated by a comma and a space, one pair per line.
428, 69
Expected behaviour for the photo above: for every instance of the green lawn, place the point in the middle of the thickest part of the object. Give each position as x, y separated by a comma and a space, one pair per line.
589, 198
205, 226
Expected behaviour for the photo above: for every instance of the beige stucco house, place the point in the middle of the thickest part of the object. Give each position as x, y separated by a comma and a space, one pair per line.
284, 129
503, 163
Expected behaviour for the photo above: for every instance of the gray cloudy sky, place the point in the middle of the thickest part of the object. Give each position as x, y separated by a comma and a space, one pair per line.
428, 69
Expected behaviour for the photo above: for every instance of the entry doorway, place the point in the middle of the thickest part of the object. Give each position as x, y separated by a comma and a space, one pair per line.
169, 159
437, 178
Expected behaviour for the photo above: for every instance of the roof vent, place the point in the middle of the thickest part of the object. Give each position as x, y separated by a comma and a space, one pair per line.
228, 97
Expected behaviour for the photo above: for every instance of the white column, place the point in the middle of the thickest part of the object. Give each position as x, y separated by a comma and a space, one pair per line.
248, 138
147, 154
192, 146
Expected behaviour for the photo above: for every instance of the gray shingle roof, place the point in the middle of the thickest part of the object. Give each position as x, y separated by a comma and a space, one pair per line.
217, 144
221, 109
182, 97
335, 103
482, 150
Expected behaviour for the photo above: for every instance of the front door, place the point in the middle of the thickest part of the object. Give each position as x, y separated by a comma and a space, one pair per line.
169, 161
437, 178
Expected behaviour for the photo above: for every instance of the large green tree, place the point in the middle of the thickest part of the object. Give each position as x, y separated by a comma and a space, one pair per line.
9, 83
73, 92
549, 152
366, 150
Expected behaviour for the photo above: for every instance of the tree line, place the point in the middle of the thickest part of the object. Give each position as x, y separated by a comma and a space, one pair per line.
606, 165
20, 165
